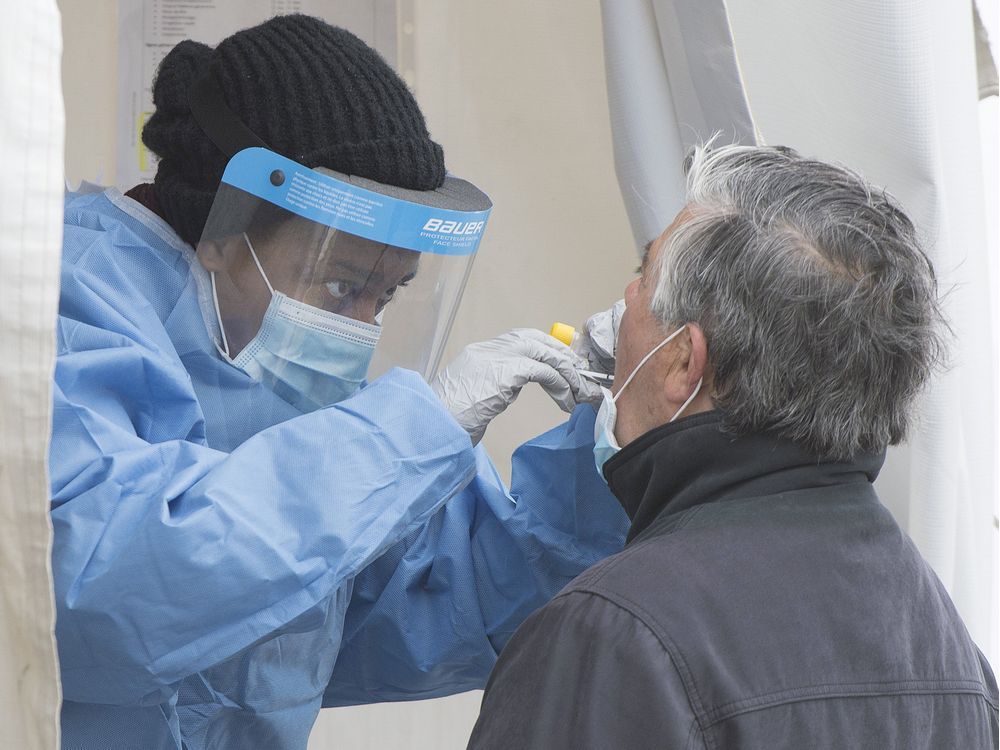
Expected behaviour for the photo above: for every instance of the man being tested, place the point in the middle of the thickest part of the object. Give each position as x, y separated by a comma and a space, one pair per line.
769, 352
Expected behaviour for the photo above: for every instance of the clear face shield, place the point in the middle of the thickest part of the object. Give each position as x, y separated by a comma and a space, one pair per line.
322, 280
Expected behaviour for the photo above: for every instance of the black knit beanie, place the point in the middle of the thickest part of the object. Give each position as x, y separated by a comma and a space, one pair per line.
312, 92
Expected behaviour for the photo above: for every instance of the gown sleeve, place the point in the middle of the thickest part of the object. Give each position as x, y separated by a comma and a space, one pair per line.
169, 556
429, 616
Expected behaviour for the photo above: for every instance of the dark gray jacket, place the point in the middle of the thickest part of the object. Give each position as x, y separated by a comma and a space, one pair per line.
765, 600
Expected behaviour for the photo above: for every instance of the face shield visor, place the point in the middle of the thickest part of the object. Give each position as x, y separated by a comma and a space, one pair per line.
335, 271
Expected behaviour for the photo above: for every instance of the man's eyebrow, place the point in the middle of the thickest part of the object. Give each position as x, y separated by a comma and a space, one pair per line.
645, 256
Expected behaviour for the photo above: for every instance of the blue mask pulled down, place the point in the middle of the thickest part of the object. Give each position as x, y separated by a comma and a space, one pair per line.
309, 357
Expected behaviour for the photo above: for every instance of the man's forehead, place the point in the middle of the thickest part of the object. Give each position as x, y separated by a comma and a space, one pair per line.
653, 247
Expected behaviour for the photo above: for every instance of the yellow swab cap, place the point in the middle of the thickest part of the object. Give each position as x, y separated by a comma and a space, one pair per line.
564, 332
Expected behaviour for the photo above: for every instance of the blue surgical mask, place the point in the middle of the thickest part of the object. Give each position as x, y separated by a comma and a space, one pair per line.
605, 442
309, 357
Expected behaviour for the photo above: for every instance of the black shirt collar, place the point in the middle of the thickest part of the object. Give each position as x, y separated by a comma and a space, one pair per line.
689, 462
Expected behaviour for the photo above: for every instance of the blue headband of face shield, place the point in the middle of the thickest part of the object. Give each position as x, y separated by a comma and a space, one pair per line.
447, 221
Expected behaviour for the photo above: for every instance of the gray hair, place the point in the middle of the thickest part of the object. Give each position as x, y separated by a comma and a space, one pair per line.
818, 305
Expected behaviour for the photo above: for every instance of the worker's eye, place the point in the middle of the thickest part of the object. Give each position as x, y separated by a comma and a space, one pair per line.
389, 293
392, 290
340, 289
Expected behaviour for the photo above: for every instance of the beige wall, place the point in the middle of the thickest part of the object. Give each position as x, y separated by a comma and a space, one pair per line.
515, 93
89, 70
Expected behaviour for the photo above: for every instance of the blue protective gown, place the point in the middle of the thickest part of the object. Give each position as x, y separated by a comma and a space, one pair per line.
225, 566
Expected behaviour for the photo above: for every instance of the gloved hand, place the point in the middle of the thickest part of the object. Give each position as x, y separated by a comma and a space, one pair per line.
599, 335
486, 377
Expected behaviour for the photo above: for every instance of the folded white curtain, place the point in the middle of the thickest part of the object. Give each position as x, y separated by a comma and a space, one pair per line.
888, 88
31, 197
673, 81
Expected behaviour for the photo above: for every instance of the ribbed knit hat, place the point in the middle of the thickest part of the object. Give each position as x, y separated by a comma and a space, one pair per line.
311, 91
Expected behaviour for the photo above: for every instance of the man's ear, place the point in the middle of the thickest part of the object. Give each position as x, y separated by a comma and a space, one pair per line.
698, 358
213, 256
689, 366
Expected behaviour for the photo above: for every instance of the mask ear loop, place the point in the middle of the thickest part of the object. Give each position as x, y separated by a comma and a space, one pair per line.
215, 294
259, 266
645, 359
690, 399
222, 329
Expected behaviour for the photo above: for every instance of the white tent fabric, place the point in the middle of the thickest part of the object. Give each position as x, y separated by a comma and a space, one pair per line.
31, 190
891, 89
673, 80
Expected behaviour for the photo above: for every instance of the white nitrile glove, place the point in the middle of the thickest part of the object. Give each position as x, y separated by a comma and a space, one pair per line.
486, 377
599, 335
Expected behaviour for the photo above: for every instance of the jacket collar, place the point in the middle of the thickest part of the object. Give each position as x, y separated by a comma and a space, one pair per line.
677, 466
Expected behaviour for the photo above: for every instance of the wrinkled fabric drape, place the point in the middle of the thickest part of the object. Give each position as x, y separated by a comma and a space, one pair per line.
890, 89
31, 191
673, 80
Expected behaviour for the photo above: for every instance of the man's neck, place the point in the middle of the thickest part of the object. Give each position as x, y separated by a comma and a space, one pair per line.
693, 461
635, 419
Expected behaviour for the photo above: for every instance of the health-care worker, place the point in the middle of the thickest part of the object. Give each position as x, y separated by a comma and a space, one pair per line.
257, 511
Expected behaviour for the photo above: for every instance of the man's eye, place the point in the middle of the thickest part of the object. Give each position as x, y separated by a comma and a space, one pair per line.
339, 289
